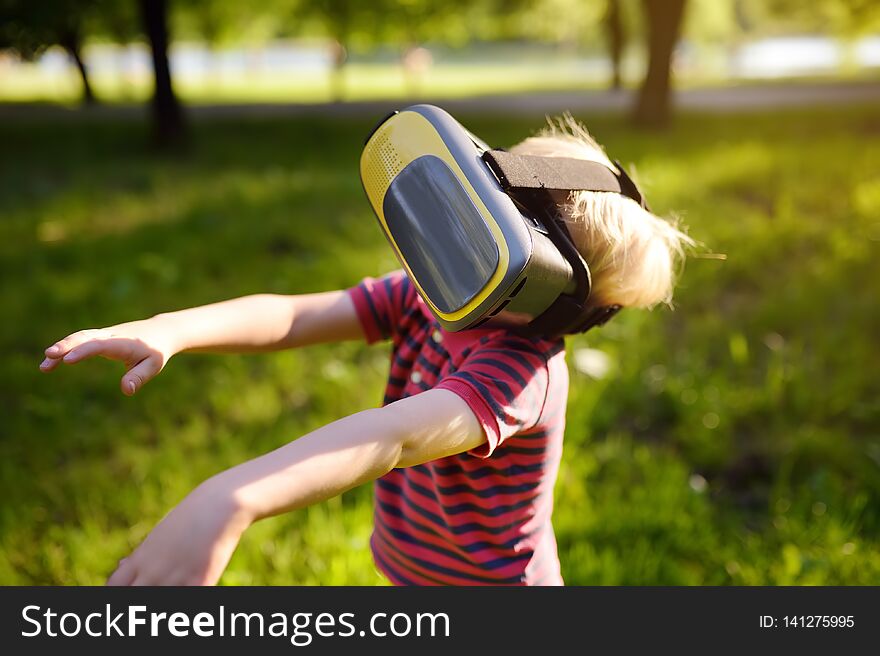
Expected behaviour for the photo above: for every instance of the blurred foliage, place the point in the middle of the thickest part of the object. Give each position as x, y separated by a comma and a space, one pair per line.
729, 21
734, 440
365, 25
402, 31
29, 28
840, 17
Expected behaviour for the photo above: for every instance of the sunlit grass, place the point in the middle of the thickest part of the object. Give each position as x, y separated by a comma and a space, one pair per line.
365, 81
356, 82
734, 440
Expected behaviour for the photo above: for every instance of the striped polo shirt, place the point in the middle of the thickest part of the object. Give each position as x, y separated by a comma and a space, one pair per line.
481, 517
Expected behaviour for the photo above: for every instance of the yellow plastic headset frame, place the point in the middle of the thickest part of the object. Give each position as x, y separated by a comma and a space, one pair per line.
400, 140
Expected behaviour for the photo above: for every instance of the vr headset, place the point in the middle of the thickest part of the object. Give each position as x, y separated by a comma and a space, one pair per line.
478, 230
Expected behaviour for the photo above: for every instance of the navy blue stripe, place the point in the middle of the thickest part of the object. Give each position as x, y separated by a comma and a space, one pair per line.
482, 494
400, 293
434, 369
521, 450
413, 343
410, 320
440, 569
412, 310
400, 361
389, 290
482, 472
381, 325
519, 357
471, 547
390, 553
439, 521
463, 507
495, 563
397, 382
502, 366
416, 325
385, 565
508, 394
406, 286
531, 436
545, 353
438, 349
483, 390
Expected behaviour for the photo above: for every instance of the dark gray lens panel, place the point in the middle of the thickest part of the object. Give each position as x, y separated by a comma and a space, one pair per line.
440, 233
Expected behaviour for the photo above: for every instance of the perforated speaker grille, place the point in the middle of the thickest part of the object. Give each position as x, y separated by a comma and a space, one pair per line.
384, 166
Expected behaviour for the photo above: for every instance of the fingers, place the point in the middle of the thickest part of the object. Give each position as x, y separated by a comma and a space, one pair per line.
124, 349
58, 350
117, 348
89, 343
49, 364
138, 375
125, 574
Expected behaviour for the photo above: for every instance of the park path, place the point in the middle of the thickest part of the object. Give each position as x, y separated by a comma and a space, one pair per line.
716, 99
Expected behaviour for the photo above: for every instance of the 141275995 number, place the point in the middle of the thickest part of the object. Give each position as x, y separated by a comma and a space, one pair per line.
818, 621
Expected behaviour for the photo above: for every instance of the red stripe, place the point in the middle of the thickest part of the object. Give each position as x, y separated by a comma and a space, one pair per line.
502, 497
462, 532
523, 515
425, 530
411, 570
540, 403
519, 526
473, 567
409, 567
389, 567
519, 516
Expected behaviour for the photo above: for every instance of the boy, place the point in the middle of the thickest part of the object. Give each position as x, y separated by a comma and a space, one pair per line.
466, 446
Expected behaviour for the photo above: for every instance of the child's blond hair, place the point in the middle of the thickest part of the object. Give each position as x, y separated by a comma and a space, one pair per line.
632, 254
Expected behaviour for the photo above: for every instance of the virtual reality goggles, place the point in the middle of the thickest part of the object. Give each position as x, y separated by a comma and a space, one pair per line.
478, 230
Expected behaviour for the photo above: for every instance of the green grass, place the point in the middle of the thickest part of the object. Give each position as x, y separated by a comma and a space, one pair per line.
736, 440
358, 81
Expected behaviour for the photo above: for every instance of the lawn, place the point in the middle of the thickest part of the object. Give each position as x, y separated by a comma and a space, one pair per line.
734, 440
358, 81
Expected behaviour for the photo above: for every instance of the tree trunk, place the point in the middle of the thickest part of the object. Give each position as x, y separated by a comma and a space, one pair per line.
339, 55
664, 18
71, 43
168, 123
616, 36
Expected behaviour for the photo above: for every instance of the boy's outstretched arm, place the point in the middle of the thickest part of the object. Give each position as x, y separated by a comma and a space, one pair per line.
195, 541
262, 322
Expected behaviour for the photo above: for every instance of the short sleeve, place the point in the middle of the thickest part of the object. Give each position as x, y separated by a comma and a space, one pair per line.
379, 303
505, 381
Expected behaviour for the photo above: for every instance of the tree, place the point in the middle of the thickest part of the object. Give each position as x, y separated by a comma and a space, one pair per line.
340, 18
30, 27
664, 19
616, 35
168, 121
844, 18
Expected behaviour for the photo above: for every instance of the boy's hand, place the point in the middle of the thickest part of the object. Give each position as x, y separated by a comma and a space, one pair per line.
191, 546
143, 346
